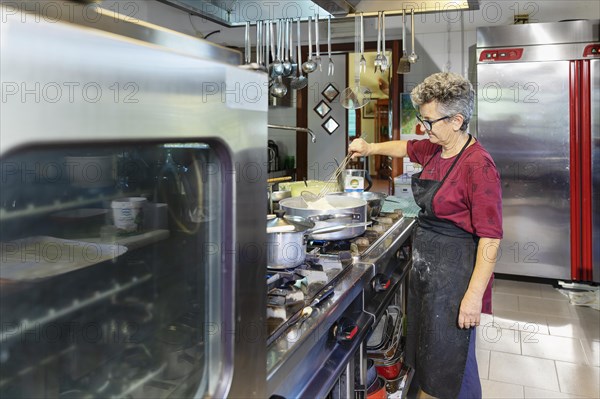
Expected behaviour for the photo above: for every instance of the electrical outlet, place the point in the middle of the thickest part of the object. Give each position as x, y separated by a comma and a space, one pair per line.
521, 19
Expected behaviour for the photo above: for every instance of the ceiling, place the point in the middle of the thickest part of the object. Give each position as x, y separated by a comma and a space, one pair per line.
238, 12
349, 8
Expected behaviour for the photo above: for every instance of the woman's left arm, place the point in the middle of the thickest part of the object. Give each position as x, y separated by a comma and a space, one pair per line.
470, 306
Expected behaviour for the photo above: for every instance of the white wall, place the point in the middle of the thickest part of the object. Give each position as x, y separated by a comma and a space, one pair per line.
322, 153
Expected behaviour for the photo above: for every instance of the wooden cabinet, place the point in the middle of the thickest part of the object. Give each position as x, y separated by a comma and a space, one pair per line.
383, 164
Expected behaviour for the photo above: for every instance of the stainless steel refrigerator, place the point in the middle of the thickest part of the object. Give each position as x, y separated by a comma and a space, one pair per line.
538, 106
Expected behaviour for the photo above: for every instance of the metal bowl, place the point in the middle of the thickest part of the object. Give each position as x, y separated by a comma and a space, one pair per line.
374, 201
350, 212
279, 195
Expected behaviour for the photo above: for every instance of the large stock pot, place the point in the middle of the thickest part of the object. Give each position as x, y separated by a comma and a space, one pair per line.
286, 239
343, 211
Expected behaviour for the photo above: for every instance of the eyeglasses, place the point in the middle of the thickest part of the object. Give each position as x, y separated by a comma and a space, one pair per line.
428, 125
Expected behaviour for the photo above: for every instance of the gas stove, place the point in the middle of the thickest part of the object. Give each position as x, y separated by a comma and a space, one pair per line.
290, 290
352, 282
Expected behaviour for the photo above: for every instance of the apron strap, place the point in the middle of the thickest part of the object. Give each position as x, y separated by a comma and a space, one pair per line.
457, 158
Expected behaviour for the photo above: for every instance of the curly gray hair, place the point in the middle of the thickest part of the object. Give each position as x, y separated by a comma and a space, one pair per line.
453, 94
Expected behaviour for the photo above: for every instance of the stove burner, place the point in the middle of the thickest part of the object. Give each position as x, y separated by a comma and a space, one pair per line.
329, 247
289, 290
358, 245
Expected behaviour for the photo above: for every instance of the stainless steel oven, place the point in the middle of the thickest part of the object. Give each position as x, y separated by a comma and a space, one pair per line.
129, 263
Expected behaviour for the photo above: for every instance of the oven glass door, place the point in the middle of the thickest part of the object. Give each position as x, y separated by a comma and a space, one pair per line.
109, 275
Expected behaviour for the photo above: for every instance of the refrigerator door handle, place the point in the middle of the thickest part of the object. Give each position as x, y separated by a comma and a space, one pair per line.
586, 171
575, 167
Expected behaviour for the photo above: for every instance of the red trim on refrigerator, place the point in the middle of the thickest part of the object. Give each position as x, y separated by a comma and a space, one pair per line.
575, 169
586, 172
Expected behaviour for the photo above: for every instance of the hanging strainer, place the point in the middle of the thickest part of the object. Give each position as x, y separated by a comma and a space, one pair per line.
356, 97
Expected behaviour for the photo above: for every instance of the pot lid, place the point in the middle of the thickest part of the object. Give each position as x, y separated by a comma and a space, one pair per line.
282, 223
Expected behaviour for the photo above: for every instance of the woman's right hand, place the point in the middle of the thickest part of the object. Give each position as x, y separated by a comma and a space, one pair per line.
359, 148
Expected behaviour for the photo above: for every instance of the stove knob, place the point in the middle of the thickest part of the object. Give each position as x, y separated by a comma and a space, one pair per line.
344, 330
403, 253
380, 283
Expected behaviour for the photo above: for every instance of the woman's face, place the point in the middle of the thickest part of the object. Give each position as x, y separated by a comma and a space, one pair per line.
442, 131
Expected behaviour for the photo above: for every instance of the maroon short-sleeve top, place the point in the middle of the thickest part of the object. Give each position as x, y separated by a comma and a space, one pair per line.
471, 196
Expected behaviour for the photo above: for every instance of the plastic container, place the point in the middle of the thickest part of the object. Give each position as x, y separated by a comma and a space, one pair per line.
128, 213
402, 187
354, 180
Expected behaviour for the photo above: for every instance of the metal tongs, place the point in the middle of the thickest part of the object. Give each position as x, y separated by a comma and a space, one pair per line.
303, 314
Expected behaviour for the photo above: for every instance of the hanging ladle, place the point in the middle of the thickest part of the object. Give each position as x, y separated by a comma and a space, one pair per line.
287, 64
309, 66
413, 57
300, 81
278, 89
276, 66
295, 63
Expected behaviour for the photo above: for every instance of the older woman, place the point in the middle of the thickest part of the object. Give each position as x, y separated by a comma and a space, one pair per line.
456, 239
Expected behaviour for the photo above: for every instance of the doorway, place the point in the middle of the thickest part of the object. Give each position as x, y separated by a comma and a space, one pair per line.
396, 82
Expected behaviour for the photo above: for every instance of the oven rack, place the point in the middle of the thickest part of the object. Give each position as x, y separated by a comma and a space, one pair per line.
76, 305
45, 361
35, 210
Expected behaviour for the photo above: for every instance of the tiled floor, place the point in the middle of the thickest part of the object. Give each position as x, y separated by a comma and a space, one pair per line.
538, 345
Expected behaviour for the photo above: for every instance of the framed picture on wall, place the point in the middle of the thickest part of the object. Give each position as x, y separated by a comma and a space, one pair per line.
369, 109
408, 117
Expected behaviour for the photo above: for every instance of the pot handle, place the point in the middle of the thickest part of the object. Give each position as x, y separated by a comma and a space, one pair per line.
367, 174
320, 218
338, 227
323, 230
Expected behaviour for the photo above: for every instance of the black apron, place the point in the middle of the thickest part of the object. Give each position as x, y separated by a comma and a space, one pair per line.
443, 261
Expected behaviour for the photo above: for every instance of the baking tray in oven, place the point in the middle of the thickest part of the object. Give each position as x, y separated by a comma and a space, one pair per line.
42, 257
